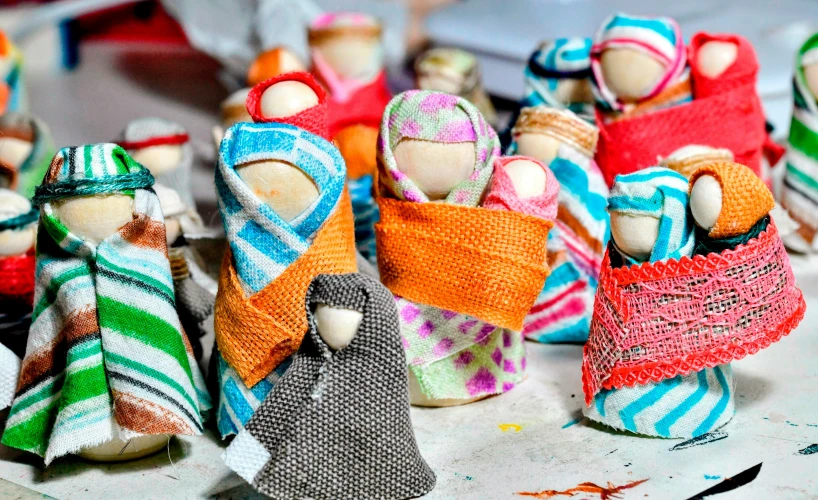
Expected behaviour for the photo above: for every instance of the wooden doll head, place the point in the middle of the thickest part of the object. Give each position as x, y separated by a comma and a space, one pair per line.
629, 73
337, 326
20, 240
94, 218
528, 177
447, 69
157, 144
287, 98
715, 57
349, 43
540, 131
706, 201
435, 167
636, 235
234, 109
173, 208
159, 159
17, 137
280, 185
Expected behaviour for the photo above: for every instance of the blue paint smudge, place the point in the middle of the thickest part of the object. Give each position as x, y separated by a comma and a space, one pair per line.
809, 450
812, 425
790, 423
467, 478
712, 477
572, 422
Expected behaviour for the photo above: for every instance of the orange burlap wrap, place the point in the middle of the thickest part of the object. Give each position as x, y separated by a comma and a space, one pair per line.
488, 264
256, 334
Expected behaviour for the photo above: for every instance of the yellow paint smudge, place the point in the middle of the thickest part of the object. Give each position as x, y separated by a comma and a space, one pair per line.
510, 427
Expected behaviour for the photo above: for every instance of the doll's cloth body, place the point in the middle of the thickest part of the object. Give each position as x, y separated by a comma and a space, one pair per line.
457, 344
13, 93
194, 303
30, 173
337, 425
800, 190
106, 348
269, 263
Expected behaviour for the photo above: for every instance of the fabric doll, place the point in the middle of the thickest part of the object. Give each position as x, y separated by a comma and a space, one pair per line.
164, 148
233, 110
730, 206
455, 71
558, 76
279, 239
566, 143
194, 303
639, 64
461, 342
18, 228
105, 342
13, 95
272, 63
688, 159
340, 415
799, 193
26, 149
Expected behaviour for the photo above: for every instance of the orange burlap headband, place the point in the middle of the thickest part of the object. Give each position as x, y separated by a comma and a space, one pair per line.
256, 334
488, 264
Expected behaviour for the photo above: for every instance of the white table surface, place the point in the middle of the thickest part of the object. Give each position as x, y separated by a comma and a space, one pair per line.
529, 440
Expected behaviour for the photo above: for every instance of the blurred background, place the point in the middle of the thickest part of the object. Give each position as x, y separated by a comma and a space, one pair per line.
93, 65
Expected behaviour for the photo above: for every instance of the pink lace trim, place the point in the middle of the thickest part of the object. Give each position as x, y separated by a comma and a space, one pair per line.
656, 321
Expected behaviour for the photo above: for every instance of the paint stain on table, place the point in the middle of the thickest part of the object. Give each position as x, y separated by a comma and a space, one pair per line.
711, 477
572, 422
700, 440
809, 450
609, 492
463, 476
510, 427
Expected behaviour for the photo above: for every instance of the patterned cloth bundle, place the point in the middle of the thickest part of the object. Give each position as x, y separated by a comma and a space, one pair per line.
106, 355
13, 95
17, 228
657, 361
461, 340
800, 190
549, 68
337, 425
577, 243
658, 37
456, 71
270, 263
28, 174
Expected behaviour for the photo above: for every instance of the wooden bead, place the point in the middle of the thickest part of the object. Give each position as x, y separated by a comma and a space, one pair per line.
629, 73
14, 151
570, 90
715, 57
635, 234
811, 77
352, 57
287, 99
539, 146
94, 218
527, 177
336, 326
17, 241
159, 159
283, 187
436, 168
118, 450
706, 201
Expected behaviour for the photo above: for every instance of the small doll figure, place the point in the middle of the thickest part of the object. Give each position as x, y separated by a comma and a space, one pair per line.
18, 228
288, 218
558, 76
566, 143
454, 71
272, 63
194, 303
13, 95
688, 159
233, 110
26, 149
105, 342
668, 323
164, 148
799, 194
340, 416
461, 306
639, 65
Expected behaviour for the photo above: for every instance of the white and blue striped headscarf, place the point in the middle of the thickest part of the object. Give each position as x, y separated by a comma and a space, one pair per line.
659, 37
660, 193
262, 243
563, 58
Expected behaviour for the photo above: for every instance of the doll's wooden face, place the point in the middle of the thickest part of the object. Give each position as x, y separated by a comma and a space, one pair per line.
283, 187
173, 229
159, 159
436, 168
811, 77
352, 57
287, 99
14, 151
94, 218
706, 201
441, 80
336, 326
570, 90
635, 234
17, 241
527, 177
539, 146
630, 74
714, 58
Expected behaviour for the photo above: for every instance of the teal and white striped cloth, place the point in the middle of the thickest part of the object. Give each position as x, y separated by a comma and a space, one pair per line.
679, 407
262, 243
660, 193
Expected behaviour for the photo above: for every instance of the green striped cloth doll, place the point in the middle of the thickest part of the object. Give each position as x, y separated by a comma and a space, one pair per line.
799, 194
26, 149
106, 355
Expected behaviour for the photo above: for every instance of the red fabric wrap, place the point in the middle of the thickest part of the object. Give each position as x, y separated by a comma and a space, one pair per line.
726, 112
314, 119
164, 140
17, 282
655, 321
364, 107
